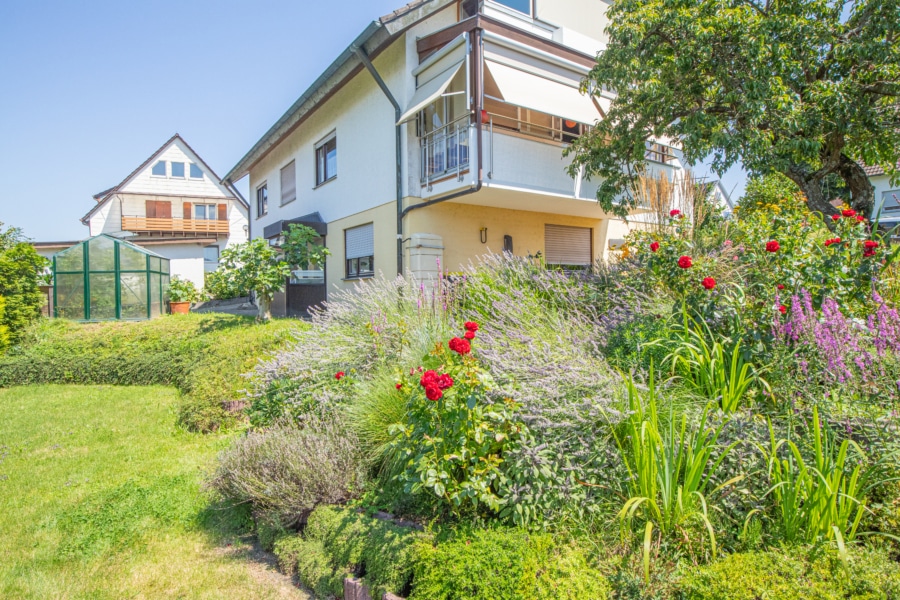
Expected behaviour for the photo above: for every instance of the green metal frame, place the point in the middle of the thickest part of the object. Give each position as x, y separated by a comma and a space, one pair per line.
162, 271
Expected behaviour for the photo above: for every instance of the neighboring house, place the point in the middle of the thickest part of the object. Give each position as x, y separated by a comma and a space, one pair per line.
887, 196
438, 136
174, 205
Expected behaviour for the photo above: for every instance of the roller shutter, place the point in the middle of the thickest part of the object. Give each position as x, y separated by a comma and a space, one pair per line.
360, 241
565, 245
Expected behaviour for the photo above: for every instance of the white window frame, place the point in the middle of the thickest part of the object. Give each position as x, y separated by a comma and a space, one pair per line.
319, 146
218, 254
352, 264
190, 171
263, 186
172, 174
165, 168
208, 208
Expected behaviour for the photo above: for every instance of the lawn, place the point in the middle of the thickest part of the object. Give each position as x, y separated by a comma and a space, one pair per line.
100, 497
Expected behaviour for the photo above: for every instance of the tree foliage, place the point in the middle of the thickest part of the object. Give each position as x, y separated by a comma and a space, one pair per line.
256, 266
805, 88
21, 269
302, 248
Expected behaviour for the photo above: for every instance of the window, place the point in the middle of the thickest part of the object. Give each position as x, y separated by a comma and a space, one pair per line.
359, 251
205, 212
196, 172
159, 169
523, 6
288, 183
211, 254
178, 169
326, 160
262, 200
566, 246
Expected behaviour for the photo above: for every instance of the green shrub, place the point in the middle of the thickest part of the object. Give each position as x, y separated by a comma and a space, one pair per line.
287, 470
204, 356
21, 270
218, 286
4, 329
509, 564
308, 560
797, 574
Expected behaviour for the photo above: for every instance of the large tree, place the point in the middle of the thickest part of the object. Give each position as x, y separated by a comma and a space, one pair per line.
806, 88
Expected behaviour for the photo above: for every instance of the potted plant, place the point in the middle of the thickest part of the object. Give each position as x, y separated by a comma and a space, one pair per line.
182, 293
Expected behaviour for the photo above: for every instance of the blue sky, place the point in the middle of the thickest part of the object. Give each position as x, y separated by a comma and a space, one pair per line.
90, 89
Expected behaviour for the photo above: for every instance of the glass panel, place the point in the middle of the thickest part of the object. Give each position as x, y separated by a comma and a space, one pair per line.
164, 266
211, 254
196, 172
101, 254
133, 288
155, 264
71, 259
155, 295
70, 296
131, 259
177, 169
365, 264
165, 288
331, 159
523, 6
103, 296
159, 169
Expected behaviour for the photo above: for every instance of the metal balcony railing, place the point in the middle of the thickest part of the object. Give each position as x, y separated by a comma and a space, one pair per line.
445, 151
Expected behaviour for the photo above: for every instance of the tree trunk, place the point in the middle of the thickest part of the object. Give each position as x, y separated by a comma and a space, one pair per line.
264, 308
815, 198
862, 193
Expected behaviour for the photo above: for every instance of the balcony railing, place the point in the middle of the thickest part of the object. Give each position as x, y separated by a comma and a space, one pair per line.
153, 225
445, 151
660, 153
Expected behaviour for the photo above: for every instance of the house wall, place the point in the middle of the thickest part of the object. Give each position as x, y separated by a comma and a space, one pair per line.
882, 184
145, 182
583, 22
384, 220
186, 261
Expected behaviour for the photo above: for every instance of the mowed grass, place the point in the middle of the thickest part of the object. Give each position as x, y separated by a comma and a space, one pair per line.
100, 497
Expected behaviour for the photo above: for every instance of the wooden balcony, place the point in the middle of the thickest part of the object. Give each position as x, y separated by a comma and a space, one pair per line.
154, 225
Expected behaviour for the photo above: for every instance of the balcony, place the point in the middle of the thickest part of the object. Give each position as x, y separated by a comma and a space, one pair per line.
160, 225
445, 152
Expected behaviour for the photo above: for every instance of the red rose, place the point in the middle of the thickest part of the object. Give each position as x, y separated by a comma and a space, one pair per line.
869, 244
860, 219
773, 246
780, 286
444, 382
782, 309
832, 241
471, 326
685, 262
709, 283
399, 385
848, 212
835, 217
434, 393
469, 335
339, 375
654, 246
674, 212
460, 346
428, 378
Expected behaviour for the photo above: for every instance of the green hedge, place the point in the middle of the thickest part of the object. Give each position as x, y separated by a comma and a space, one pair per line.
204, 356
799, 574
477, 565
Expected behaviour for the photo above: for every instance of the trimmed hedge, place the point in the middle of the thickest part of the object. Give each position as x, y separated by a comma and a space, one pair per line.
477, 565
798, 573
203, 355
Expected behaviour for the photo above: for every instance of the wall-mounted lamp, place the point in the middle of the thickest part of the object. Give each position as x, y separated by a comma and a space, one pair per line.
483, 235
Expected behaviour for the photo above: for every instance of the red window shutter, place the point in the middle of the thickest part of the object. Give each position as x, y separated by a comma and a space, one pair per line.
187, 210
223, 212
164, 210
150, 209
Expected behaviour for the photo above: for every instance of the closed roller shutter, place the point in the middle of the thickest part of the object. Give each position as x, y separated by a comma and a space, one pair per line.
564, 245
360, 241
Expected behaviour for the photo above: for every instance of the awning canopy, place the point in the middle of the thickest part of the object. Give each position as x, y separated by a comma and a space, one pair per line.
539, 93
429, 92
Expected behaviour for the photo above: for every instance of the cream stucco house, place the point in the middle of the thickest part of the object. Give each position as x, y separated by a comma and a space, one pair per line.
438, 136
887, 196
176, 206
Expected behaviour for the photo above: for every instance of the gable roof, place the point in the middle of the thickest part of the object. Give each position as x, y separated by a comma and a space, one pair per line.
105, 195
373, 39
877, 170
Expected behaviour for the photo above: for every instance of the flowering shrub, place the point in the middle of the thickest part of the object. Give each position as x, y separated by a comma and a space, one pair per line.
454, 435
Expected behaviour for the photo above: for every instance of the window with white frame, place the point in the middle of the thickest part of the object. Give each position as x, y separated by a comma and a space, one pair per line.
523, 6
159, 169
211, 254
326, 159
205, 212
359, 251
288, 183
178, 169
262, 200
196, 172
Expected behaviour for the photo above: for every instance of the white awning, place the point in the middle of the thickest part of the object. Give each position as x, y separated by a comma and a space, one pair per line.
538, 93
429, 92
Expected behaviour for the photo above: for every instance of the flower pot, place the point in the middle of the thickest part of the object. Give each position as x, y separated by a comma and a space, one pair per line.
179, 308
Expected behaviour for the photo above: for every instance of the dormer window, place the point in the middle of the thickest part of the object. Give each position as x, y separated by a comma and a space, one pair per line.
159, 169
178, 170
522, 6
196, 172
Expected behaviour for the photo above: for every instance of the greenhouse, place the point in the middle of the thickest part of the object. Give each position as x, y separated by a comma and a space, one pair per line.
105, 278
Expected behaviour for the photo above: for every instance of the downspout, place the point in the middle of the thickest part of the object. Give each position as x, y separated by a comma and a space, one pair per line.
398, 142
478, 92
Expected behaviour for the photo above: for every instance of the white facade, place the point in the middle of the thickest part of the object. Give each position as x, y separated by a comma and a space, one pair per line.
431, 56
175, 205
887, 200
